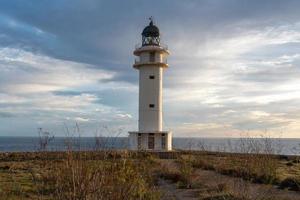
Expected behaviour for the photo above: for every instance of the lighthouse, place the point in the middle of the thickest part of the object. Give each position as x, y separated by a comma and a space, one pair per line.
151, 61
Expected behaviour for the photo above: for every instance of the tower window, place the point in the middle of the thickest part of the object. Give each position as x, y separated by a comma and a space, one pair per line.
151, 105
152, 56
151, 77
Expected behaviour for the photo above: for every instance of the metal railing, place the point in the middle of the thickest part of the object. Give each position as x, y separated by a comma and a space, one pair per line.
162, 45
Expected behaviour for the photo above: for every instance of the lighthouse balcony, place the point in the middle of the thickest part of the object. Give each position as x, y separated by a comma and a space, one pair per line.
148, 48
137, 64
161, 45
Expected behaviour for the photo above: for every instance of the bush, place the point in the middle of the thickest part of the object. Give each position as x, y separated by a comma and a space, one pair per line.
76, 178
186, 171
290, 183
202, 164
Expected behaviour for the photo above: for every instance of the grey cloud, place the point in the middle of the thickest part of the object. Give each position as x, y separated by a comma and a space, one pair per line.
103, 34
6, 115
249, 125
67, 93
270, 76
87, 32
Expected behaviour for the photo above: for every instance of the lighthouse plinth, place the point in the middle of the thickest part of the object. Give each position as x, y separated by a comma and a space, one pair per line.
151, 62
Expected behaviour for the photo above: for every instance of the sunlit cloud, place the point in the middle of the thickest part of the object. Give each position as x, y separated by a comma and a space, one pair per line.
38, 73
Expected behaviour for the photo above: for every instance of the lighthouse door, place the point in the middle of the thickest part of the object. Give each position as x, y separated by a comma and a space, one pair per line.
151, 141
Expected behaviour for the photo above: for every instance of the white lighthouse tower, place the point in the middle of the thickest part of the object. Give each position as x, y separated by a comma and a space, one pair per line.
151, 62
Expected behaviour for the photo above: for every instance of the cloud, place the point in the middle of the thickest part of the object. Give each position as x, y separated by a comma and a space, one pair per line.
80, 119
6, 115
25, 72
234, 65
222, 80
124, 116
47, 90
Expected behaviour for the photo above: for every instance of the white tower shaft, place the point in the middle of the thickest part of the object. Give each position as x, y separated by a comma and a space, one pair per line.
150, 99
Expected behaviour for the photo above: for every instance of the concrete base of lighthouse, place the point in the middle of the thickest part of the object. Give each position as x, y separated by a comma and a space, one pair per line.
154, 141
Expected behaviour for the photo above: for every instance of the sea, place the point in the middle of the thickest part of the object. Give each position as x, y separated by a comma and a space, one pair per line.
282, 146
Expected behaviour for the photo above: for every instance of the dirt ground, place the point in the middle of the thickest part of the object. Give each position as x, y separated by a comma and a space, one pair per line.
211, 185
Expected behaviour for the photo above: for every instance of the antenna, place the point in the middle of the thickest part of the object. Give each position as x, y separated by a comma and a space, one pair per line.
151, 20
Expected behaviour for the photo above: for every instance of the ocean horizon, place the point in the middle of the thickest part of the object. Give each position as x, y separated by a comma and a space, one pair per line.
282, 146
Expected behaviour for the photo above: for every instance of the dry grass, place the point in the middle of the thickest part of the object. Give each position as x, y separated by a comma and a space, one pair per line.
257, 163
211, 186
77, 176
257, 168
129, 175
113, 175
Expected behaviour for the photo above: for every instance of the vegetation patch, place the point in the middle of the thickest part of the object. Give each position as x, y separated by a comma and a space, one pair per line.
290, 183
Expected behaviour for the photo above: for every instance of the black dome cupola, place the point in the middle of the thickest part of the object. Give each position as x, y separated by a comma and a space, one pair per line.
150, 34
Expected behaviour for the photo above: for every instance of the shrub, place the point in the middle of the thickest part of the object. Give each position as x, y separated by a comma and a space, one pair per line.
198, 162
186, 170
290, 183
76, 178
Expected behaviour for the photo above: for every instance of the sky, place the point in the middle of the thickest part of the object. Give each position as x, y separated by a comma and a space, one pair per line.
234, 68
